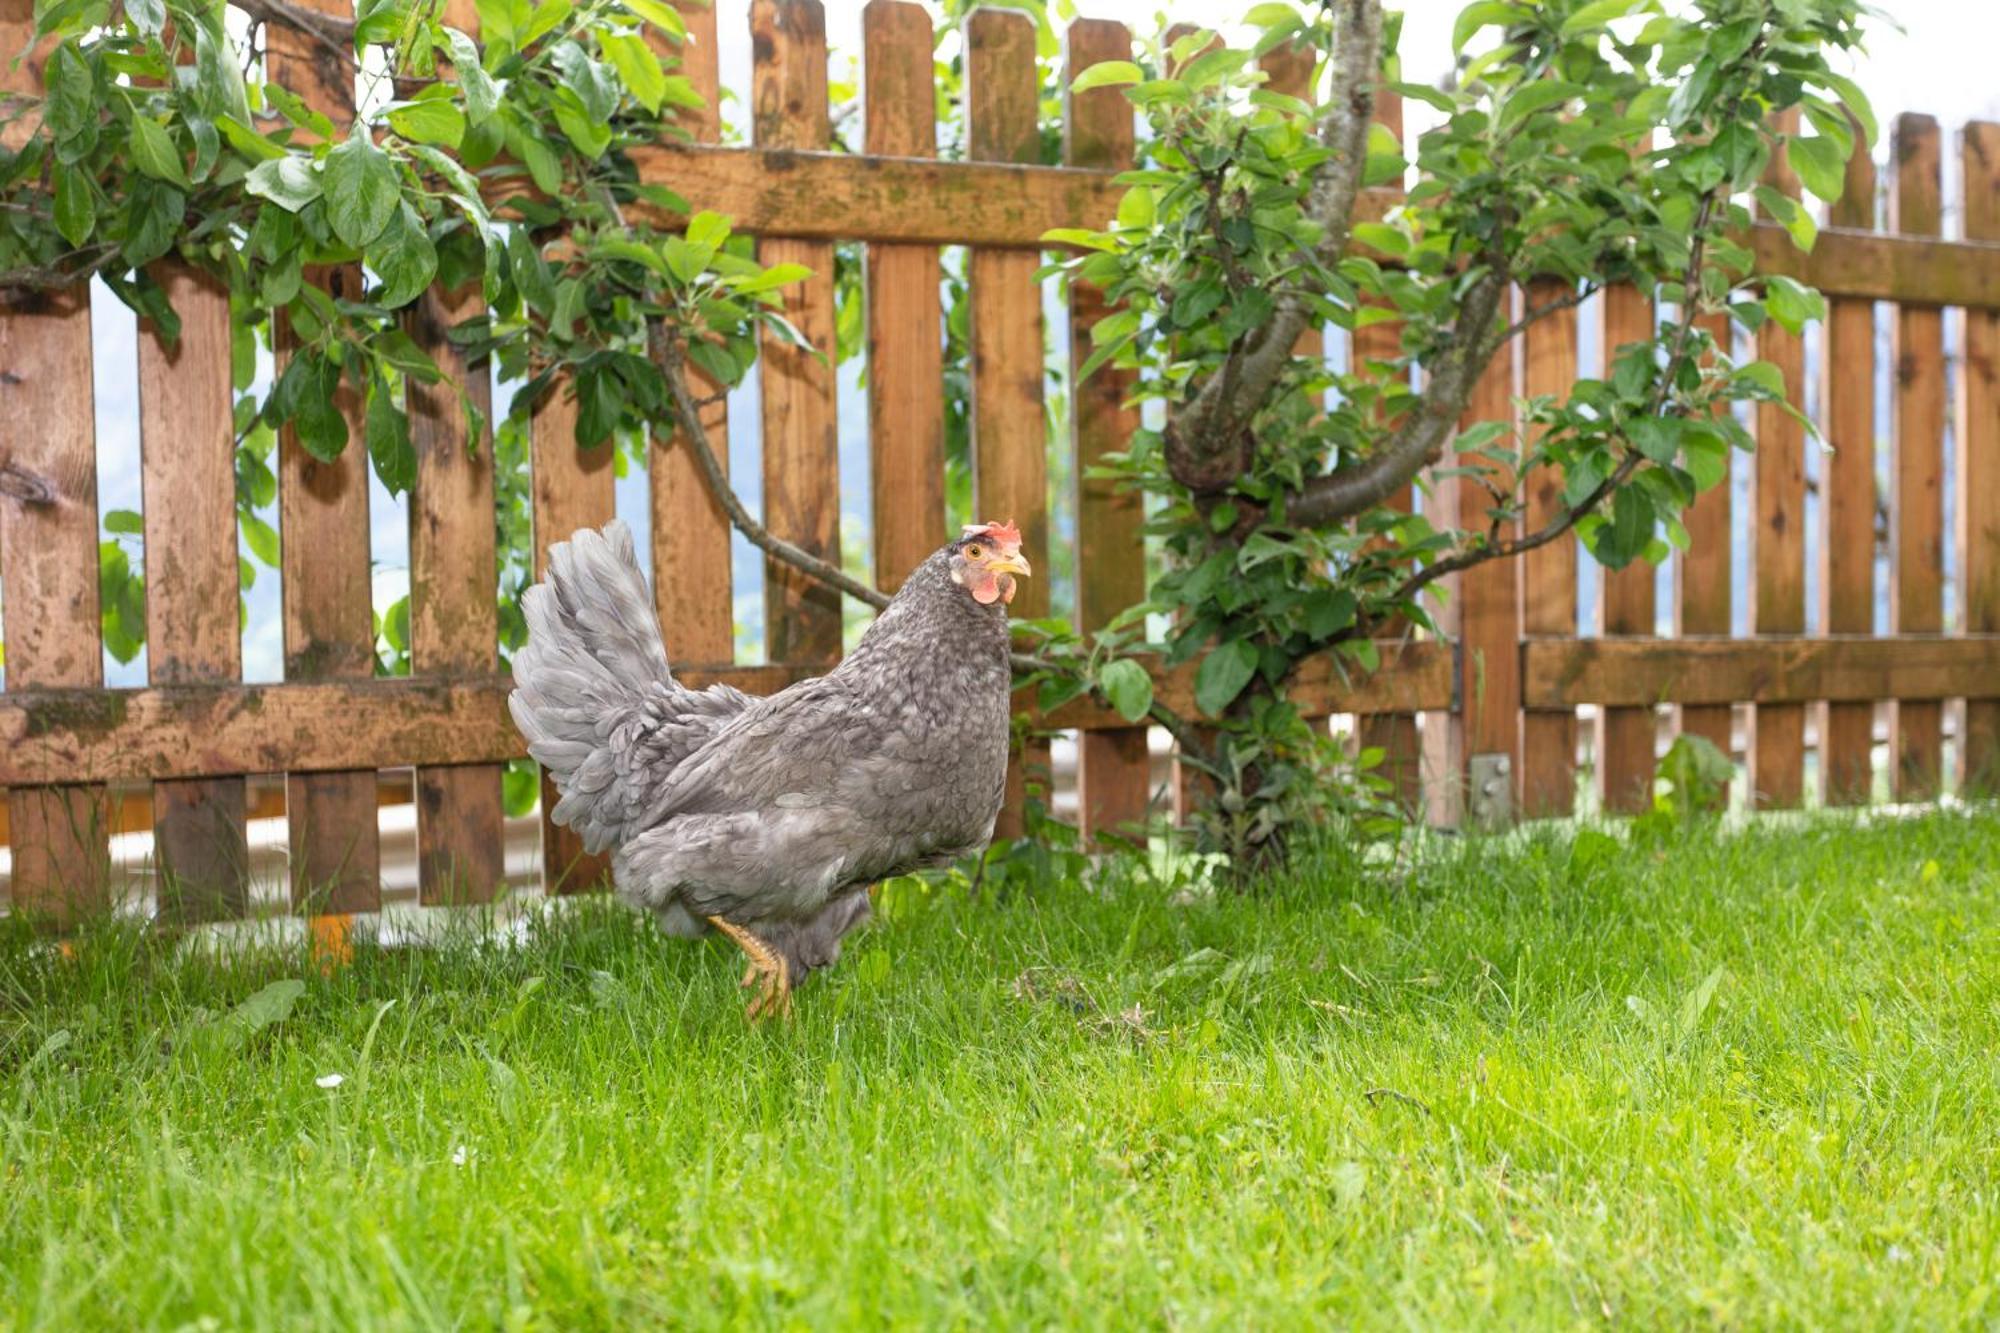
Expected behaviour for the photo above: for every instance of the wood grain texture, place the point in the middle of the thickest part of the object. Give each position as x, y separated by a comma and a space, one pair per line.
1489, 611
1777, 547
323, 526
1009, 437
1789, 670
89, 734
1703, 595
801, 443
573, 488
1916, 504
1847, 551
1395, 734
905, 321
454, 621
1979, 470
1627, 738
693, 590
1548, 573
188, 481
1114, 768
49, 617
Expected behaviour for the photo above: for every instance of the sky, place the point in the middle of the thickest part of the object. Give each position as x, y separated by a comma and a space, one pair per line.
1937, 61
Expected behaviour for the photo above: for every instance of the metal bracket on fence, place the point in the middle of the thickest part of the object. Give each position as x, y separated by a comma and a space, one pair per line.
1490, 802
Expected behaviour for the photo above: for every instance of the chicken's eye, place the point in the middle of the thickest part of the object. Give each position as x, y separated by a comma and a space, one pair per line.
975, 552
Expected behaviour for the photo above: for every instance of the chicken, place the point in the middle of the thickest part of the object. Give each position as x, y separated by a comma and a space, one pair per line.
770, 819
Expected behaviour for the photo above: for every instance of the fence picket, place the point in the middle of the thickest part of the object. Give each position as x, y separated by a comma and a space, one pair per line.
905, 338
1114, 769
1979, 466
1010, 457
1703, 596
1916, 507
692, 587
801, 449
1847, 571
1487, 601
323, 527
1627, 737
1777, 546
1548, 573
201, 853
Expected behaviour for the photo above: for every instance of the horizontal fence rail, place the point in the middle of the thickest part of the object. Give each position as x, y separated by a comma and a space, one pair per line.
1504, 680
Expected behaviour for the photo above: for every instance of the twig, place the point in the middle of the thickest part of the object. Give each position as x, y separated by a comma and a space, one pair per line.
1375, 1096
333, 34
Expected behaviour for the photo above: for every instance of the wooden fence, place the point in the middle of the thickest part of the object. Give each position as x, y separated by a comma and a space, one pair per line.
1498, 697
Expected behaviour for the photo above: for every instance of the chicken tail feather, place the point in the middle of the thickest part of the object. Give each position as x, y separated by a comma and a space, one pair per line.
581, 681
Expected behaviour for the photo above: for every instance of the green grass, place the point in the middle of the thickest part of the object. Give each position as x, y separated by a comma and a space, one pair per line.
1482, 1090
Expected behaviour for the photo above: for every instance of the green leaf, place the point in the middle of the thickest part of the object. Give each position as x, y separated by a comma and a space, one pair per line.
1596, 14
361, 191
1698, 1000
1526, 100
388, 431
289, 182
76, 205
1128, 687
1223, 674
1476, 16
778, 275
153, 152
481, 96
543, 19
657, 14
247, 141
638, 68
1791, 303
1854, 100
1107, 74
124, 521
1658, 438
260, 537
403, 258
1821, 166
72, 93
430, 120
272, 1004
707, 228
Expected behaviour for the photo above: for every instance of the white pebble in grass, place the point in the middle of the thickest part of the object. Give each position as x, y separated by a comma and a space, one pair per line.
458, 1155
330, 1080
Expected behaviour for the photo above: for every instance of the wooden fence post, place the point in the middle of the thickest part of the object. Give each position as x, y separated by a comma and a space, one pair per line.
801, 443
1848, 496
48, 547
1627, 738
1548, 573
1009, 436
1114, 767
1916, 508
1483, 786
1979, 466
323, 528
201, 854
1777, 545
1703, 595
905, 343
692, 585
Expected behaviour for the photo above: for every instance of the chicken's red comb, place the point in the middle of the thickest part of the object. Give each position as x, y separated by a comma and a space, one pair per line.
1004, 534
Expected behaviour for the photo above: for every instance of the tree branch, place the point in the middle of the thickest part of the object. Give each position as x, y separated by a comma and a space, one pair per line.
334, 34
1202, 437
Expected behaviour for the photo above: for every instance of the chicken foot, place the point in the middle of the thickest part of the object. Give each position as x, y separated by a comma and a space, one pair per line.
774, 997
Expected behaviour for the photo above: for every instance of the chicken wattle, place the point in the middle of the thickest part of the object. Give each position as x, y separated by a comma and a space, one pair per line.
770, 818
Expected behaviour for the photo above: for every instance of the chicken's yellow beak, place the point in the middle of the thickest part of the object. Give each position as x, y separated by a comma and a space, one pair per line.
1010, 564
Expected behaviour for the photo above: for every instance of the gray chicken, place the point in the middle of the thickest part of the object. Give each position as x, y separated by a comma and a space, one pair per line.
770, 818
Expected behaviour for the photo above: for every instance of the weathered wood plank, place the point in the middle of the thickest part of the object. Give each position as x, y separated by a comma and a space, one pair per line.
1626, 736
1702, 592
1916, 507
905, 323
1793, 670
1979, 470
454, 622
801, 445
843, 196
207, 730
1847, 555
1009, 439
48, 548
1114, 770
188, 479
573, 488
1394, 734
1548, 574
323, 525
1777, 546
1487, 598
693, 591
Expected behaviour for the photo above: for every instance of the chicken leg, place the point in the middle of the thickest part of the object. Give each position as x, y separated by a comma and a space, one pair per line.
774, 997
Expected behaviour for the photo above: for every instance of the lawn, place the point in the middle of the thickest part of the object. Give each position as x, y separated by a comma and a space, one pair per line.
1748, 1080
